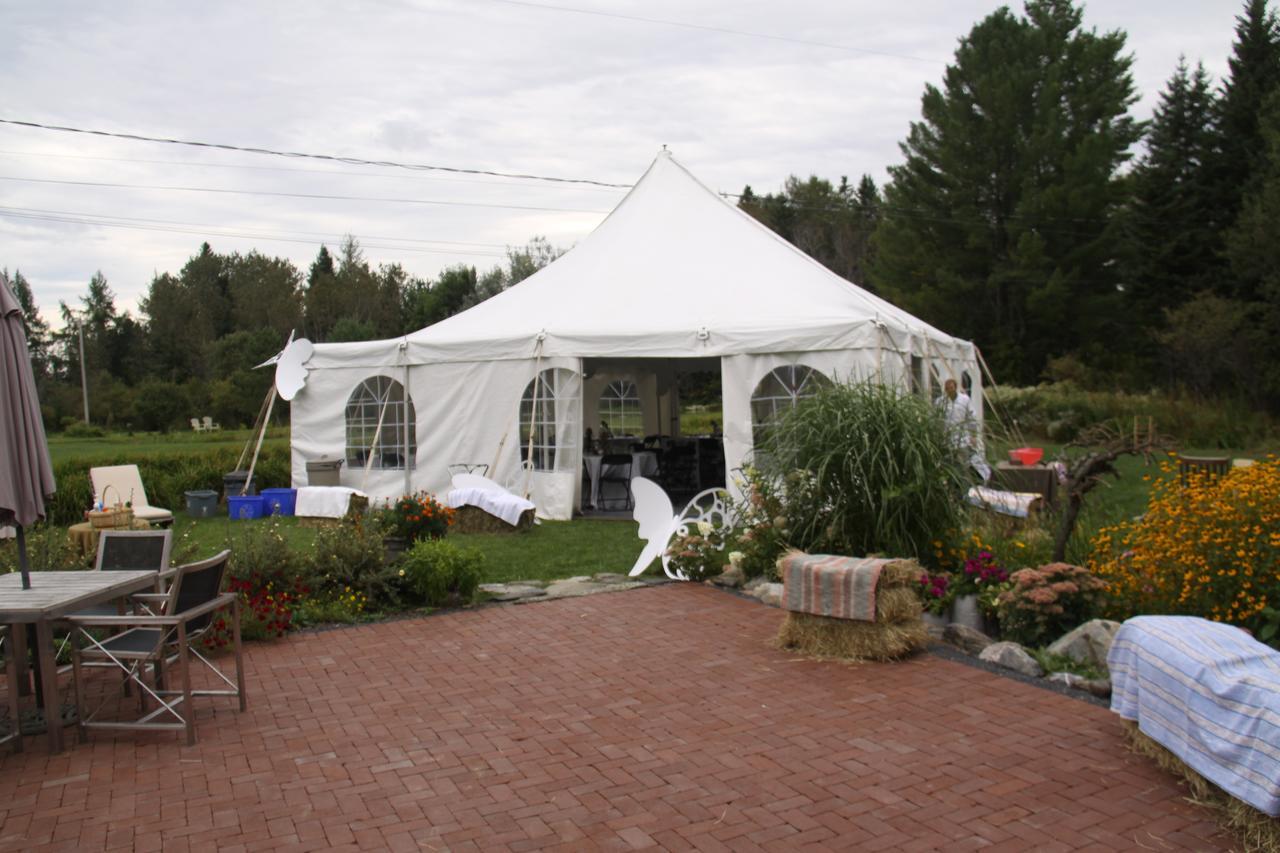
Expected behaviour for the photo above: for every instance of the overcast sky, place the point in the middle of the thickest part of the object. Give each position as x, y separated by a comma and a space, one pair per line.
743, 92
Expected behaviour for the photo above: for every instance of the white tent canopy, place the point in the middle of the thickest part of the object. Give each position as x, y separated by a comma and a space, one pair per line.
675, 273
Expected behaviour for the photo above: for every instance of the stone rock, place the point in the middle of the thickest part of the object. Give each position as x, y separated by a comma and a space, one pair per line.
610, 577
574, 587
730, 578
1089, 643
769, 593
1100, 687
1012, 656
512, 591
966, 639
754, 583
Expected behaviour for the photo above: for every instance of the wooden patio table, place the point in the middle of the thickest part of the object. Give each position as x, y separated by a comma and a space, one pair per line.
52, 596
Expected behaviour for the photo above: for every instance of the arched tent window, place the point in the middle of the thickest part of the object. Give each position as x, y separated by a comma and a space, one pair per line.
966, 383
779, 391
548, 413
620, 408
376, 425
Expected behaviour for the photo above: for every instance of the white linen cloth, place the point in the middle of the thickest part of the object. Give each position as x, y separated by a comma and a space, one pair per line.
1016, 504
503, 505
324, 501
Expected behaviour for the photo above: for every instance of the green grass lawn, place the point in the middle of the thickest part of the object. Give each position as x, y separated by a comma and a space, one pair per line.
62, 448
551, 550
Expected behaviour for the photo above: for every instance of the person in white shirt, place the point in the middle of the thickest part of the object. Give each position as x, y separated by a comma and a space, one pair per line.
957, 407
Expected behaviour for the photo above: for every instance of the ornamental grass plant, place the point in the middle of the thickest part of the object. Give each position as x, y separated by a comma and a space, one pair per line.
866, 469
1206, 547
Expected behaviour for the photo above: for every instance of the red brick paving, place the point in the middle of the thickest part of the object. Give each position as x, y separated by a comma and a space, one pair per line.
658, 718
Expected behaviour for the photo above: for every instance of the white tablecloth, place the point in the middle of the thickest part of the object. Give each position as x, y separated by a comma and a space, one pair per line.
644, 463
324, 501
503, 505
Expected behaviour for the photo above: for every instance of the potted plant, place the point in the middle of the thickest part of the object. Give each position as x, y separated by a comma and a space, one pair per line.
979, 574
936, 594
412, 518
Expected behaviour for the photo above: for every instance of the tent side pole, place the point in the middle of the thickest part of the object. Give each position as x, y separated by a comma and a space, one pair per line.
408, 485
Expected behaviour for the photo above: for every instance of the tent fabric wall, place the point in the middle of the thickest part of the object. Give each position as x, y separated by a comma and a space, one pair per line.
674, 273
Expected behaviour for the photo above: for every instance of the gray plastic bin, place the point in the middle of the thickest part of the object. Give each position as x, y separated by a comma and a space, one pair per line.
202, 503
324, 472
233, 482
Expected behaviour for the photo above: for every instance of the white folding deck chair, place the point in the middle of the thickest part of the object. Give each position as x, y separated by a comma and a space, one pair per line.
125, 485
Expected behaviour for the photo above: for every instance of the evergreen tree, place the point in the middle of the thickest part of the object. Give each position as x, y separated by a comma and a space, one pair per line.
1174, 249
831, 224
999, 226
1254, 72
37, 330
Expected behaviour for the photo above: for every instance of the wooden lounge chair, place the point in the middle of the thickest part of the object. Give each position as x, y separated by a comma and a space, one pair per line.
210, 425
197, 425
125, 484
185, 613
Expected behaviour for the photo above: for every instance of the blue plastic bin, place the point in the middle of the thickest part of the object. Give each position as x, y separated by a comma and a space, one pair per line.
279, 501
241, 507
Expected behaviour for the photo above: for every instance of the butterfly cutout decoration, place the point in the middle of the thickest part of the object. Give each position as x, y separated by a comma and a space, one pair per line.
659, 523
291, 369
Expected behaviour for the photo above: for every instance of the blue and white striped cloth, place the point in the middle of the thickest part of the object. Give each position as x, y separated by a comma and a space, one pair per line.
1207, 692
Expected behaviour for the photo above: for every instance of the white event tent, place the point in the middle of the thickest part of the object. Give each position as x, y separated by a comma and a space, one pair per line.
674, 279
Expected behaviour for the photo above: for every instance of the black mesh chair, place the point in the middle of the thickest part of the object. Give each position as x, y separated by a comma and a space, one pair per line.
184, 615
680, 469
615, 468
13, 730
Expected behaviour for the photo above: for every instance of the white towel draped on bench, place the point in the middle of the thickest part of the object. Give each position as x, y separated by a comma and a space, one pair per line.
504, 505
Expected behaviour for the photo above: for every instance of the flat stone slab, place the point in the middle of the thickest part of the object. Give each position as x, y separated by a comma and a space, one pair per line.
513, 591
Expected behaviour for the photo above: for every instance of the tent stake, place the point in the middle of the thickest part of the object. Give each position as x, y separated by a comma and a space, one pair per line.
271, 401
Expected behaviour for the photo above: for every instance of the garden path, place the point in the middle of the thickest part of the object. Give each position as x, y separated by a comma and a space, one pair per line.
659, 717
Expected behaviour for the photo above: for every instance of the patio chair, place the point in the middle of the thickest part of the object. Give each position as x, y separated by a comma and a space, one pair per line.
185, 614
210, 425
616, 468
7, 656
197, 425
125, 483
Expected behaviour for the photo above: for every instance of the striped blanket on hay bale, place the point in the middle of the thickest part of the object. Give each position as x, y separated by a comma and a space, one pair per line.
851, 607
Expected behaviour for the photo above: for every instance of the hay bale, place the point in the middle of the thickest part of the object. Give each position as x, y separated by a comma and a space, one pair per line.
825, 637
472, 519
1256, 831
903, 573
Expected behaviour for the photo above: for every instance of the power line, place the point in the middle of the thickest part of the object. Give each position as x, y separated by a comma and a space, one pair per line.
71, 220
324, 235
320, 196
286, 169
334, 158
549, 7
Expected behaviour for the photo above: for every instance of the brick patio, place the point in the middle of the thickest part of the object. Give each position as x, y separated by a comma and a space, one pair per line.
659, 717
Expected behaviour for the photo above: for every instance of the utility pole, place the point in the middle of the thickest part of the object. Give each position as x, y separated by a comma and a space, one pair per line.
84, 382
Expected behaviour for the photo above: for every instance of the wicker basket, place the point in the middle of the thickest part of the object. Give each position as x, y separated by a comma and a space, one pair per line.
112, 518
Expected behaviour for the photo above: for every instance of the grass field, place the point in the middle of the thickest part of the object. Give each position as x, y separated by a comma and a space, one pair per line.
62, 448
552, 549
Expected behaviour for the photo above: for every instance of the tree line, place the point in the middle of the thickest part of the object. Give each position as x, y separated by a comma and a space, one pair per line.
200, 332
1020, 219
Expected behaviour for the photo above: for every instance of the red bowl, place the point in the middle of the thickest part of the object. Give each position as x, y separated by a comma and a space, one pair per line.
1026, 455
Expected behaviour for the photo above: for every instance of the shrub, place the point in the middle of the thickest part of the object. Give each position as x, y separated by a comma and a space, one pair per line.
699, 555
264, 572
440, 573
867, 468
347, 560
418, 516
166, 476
758, 537
48, 549
1207, 547
1043, 604
79, 429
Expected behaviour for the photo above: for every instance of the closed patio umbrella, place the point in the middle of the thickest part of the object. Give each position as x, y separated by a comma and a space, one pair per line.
26, 475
